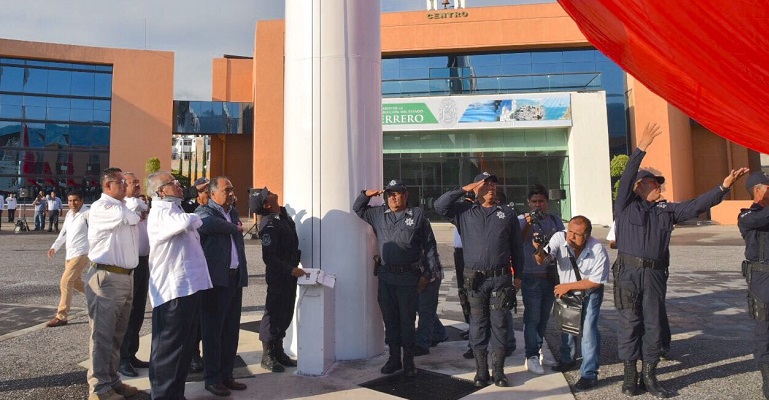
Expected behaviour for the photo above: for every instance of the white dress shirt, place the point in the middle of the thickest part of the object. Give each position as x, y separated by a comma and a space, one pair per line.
53, 203
2, 202
74, 233
112, 233
11, 201
593, 262
138, 206
177, 264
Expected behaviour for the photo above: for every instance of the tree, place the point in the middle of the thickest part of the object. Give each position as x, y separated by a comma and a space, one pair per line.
153, 165
616, 168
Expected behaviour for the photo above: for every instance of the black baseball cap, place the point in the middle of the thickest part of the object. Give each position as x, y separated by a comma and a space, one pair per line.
756, 178
395, 185
648, 174
256, 202
485, 176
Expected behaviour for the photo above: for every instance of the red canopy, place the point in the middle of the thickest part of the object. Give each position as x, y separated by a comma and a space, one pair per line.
709, 58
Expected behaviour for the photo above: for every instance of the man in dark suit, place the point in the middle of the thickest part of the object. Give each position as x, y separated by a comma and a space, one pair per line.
222, 238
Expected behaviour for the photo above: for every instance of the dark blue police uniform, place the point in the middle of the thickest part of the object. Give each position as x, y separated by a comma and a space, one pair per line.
640, 271
490, 237
754, 227
404, 240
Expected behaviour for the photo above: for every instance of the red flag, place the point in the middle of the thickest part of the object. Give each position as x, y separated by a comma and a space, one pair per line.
708, 58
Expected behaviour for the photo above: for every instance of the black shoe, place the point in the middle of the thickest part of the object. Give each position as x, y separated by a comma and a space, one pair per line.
232, 384
196, 364
585, 384
218, 389
137, 363
126, 369
482, 377
420, 351
468, 354
409, 369
437, 342
498, 371
630, 386
281, 356
649, 377
393, 362
268, 360
563, 367
465, 334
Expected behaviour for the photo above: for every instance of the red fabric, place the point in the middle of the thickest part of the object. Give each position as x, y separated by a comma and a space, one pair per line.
709, 58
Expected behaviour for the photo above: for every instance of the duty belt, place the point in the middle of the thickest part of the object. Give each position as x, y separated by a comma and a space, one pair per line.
112, 268
399, 269
758, 266
641, 262
488, 273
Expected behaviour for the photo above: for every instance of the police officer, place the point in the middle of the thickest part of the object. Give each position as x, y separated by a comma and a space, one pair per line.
280, 252
490, 236
404, 237
754, 227
644, 224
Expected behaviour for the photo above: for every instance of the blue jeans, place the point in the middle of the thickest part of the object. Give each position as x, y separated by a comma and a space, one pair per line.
538, 301
591, 338
429, 329
39, 220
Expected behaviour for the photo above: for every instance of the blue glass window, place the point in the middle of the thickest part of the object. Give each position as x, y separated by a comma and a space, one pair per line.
11, 78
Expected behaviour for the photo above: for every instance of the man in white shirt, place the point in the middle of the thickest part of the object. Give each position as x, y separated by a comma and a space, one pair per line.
11, 202
2, 204
113, 239
178, 275
53, 206
75, 234
141, 277
577, 246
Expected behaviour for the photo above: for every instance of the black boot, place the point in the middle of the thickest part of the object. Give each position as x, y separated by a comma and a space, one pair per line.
409, 369
498, 370
394, 362
765, 377
630, 383
268, 358
482, 368
649, 377
280, 354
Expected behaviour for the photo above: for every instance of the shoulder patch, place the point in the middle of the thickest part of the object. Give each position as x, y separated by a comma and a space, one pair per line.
266, 240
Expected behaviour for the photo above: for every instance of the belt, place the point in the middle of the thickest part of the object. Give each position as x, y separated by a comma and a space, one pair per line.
488, 273
758, 266
641, 262
233, 271
112, 268
399, 269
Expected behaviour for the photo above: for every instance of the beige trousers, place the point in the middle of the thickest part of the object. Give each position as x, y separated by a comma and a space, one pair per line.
109, 296
71, 279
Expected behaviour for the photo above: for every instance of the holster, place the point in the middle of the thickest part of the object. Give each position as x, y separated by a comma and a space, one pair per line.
505, 300
464, 301
624, 299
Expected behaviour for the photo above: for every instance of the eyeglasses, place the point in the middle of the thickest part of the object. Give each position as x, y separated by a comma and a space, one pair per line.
121, 181
173, 182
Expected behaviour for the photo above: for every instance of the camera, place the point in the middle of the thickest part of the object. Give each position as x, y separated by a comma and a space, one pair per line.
537, 216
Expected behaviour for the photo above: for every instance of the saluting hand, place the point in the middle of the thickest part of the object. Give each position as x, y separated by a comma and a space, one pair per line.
374, 192
471, 187
651, 131
733, 176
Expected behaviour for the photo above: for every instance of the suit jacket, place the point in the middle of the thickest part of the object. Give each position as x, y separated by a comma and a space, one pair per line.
216, 235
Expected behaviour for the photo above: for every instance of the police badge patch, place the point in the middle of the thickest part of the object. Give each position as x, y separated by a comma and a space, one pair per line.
266, 240
409, 221
501, 215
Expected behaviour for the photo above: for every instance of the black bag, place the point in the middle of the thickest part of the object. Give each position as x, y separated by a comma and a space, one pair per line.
569, 310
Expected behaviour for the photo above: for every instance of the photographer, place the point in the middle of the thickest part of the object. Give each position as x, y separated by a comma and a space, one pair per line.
537, 285
576, 247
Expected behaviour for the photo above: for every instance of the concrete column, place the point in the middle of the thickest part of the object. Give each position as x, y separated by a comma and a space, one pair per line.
332, 150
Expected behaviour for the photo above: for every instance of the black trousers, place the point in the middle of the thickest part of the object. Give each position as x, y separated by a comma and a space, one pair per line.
488, 328
640, 327
172, 323
141, 276
11, 215
759, 285
278, 309
221, 329
459, 269
53, 220
399, 304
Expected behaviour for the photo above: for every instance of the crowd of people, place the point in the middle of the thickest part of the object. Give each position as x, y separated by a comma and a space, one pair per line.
185, 250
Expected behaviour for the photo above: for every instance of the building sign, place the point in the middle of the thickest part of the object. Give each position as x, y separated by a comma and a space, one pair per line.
547, 110
448, 14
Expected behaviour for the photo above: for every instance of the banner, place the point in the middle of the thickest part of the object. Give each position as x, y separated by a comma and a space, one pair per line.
546, 110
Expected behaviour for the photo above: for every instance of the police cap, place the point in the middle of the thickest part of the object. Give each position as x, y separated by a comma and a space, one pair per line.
485, 176
395, 185
648, 174
756, 178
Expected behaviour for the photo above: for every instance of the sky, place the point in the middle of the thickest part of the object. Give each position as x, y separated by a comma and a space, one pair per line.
197, 31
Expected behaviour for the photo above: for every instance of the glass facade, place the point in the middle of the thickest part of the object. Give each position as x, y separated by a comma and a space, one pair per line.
432, 162
54, 125
514, 72
213, 117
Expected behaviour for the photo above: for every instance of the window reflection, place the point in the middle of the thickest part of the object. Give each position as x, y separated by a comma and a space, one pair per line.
54, 125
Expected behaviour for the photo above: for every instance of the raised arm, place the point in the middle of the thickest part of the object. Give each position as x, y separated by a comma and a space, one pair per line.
361, 207
627, 180
689, 209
